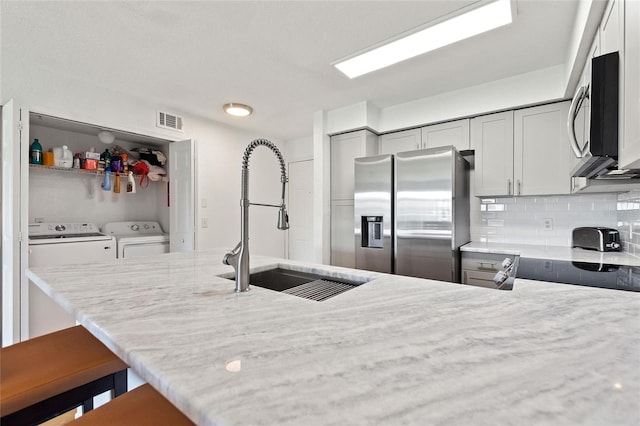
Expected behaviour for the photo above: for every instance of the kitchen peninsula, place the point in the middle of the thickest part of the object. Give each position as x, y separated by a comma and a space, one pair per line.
395, 350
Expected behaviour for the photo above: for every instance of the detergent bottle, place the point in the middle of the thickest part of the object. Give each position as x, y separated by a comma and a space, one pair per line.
106, 182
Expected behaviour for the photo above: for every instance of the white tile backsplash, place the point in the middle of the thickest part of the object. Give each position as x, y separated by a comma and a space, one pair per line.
525, 220
628, 221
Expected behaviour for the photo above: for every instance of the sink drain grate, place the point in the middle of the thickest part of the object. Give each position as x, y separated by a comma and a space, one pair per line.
319, 290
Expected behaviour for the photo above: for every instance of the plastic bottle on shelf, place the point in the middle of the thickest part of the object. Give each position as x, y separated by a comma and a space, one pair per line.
106, 182
125, 166
131, 184
116, 183
106, 157
36, 152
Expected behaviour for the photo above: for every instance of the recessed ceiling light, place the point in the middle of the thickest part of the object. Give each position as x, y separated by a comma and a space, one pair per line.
238, 110
460, 27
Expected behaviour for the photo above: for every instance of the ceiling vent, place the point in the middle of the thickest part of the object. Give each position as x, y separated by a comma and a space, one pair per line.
169, 121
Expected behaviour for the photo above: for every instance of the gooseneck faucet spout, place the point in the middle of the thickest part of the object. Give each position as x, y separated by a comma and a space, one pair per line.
239, 256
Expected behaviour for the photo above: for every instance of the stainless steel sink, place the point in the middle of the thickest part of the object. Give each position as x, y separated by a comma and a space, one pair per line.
302, 284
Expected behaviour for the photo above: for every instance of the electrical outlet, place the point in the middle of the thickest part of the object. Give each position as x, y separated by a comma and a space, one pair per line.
204, 222
547, 224
38, 220
203, 203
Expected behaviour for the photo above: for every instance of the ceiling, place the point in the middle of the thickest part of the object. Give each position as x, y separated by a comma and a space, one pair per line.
193, 57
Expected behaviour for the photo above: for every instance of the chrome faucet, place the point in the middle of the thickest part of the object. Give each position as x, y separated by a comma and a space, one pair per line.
239, 256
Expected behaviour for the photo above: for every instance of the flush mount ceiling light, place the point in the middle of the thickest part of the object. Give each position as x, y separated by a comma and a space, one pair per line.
106, 137
238, 110
443, 33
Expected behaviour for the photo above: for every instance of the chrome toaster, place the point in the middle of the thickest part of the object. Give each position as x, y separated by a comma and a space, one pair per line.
596, 238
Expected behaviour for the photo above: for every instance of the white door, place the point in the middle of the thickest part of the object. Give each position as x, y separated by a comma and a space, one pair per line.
12, 201
300, 208
181, 195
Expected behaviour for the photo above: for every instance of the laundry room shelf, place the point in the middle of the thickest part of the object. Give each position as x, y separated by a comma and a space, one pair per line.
72, 170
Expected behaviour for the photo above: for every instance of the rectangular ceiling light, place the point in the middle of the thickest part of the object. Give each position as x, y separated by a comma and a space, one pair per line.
469, 24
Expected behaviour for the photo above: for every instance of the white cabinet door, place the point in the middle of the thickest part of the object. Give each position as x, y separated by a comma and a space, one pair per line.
629, 155
492, 139
406, 140
344, 149
542, 155
454, 133
611, 33
13, 282
342, 234
181, 193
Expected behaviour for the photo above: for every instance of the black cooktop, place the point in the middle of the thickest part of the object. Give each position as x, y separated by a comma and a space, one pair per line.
590, 274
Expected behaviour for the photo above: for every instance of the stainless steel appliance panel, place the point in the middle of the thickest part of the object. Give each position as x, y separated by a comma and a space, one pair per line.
373, 214
426, 210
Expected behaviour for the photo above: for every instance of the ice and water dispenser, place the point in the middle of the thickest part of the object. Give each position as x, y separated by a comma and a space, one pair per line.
372, 231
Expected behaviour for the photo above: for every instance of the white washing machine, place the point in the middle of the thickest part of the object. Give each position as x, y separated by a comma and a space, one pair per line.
136, 239
59, 244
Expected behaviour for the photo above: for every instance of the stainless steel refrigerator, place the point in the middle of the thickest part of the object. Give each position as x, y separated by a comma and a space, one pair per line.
412, 213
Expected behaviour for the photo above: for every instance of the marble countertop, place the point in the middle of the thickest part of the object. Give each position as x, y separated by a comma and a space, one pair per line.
553, 252
395, 350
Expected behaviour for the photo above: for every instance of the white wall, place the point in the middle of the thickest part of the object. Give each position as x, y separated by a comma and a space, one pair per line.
543, 85
219, 174
300, 149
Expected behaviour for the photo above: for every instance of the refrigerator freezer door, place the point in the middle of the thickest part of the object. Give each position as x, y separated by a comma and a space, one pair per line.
425, 214
373, 220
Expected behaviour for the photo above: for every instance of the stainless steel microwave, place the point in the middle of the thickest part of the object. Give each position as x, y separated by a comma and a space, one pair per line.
596, 143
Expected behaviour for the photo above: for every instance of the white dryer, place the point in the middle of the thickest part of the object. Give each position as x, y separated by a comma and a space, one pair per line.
136, 239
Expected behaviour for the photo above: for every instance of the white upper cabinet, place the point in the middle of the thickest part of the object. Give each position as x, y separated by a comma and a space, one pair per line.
406, 140
542, 156
344, 149
454, 133
629, 155
492, 139
522, 152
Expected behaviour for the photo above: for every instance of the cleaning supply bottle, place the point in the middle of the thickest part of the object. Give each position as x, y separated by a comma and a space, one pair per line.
131, 184
116, 184
106, 157
36, 152
106, 182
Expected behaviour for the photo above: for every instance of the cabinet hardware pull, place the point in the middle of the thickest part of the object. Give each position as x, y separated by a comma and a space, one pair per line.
519, 189
508, 186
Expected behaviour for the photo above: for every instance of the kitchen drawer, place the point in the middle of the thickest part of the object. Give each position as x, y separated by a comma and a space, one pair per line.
479, 269
483, 261
479, 278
